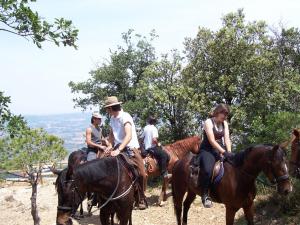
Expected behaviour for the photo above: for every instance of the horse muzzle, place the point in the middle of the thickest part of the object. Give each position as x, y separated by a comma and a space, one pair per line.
63, 216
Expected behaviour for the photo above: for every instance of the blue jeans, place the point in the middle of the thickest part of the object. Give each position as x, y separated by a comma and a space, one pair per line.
91, 156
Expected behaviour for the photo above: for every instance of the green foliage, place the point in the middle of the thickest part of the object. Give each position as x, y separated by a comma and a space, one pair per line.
276, 128
5, 113
247, 67
18, 18
120, 75
253, 69
167, 97
31, 150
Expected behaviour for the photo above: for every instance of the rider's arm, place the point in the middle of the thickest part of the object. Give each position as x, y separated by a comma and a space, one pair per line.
155, 136
128, 136
89, 141
208, 127
111, 139
227, 137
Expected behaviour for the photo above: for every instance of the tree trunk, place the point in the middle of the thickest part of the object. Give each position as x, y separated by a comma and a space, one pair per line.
34, 210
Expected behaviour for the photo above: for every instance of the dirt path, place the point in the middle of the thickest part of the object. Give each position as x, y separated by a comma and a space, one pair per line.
15, 209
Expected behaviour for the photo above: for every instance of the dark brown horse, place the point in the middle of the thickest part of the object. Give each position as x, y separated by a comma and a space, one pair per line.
295, 154
110, 178
237, 188
176, 151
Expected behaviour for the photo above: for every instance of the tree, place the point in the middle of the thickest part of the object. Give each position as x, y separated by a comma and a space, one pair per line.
242, 65
5, 113
30, 152
16, 17
119, 76
10, 124
167, 97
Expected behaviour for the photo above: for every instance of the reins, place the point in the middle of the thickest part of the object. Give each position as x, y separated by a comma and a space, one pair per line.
116, 188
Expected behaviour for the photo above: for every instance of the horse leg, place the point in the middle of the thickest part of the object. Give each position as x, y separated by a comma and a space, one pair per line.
186, 205
130, 218
112, 215
249, 213
230, 213
125, 217
104, 217
162, 193
81, 210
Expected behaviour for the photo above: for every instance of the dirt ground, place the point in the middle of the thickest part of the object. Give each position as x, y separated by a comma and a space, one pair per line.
15, 209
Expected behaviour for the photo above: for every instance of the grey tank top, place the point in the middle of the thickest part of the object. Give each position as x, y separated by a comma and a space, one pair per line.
96, 134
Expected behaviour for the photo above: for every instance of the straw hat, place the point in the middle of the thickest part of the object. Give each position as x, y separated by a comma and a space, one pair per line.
111, 101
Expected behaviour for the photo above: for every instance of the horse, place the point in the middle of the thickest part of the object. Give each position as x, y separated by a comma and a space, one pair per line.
237, 187
110, 178
176, 151
294, 163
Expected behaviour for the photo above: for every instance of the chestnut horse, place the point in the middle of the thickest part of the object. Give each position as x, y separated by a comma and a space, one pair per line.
237, 188
176, 151
295, 154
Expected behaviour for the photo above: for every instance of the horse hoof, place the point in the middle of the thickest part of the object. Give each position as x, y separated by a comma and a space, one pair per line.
162, 203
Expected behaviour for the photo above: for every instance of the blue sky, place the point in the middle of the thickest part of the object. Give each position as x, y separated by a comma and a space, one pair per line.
37, 79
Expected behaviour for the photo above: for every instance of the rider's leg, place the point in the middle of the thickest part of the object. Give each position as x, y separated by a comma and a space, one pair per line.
91, 155
207, 162
138, 160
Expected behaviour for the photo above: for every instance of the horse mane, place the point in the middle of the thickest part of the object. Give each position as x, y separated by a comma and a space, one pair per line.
239, 158
98, 168
184, 144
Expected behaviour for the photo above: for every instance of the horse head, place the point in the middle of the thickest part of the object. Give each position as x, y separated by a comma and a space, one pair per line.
277, 171
68, 198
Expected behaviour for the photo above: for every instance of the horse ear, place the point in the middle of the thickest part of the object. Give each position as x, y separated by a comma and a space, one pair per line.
55, 171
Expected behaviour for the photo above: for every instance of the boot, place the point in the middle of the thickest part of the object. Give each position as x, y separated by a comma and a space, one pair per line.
206, 200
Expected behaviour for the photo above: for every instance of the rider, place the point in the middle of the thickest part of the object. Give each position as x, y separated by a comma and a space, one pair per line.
153, 147
216, 144
124, 139
93, 137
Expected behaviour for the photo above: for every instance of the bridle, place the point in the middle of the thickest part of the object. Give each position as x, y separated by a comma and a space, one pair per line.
276, 179
74, 192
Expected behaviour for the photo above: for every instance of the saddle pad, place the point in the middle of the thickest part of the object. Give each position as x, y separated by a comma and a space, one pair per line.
218, 177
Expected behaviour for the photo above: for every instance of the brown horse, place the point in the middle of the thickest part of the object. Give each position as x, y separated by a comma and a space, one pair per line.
237, 188
295, 154
176, 151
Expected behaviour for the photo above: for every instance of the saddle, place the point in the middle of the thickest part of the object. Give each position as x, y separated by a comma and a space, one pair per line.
129, 165
217, 174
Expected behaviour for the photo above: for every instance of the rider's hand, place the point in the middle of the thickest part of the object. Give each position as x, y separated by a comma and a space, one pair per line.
115, 152
228, 155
